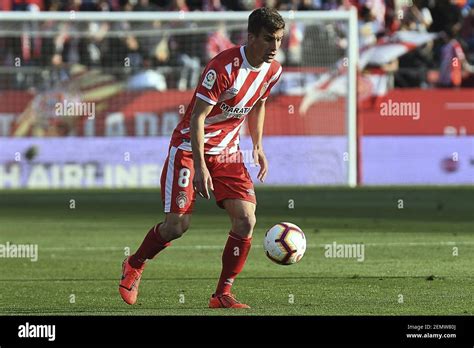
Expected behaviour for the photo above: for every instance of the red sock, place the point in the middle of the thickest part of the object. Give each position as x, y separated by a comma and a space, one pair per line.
233, 261
151, 245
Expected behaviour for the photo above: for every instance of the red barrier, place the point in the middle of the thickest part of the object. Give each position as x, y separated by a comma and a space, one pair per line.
440, 111
400, 112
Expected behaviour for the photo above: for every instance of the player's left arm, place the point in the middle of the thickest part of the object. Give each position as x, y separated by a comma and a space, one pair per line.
256, 120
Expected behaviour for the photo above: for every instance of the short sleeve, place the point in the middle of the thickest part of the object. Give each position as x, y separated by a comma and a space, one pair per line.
273, 81
213, 83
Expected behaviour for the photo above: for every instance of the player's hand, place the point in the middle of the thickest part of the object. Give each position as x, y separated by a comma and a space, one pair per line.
202, 182
261, 160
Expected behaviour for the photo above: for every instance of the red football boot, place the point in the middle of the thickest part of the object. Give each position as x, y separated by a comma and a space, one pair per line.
130, 281
225, 301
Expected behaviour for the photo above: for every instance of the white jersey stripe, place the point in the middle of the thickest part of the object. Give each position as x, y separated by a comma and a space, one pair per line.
186, 145
254, 86
223, 144
169, 179
241, 78
274, 77
207, 122
215, 119
207, 136
228, 68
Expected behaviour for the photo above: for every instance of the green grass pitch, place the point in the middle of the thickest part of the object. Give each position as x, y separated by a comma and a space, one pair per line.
418, 260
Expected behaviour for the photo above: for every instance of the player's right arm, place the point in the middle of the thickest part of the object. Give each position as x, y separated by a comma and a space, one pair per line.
202, 181
214, 81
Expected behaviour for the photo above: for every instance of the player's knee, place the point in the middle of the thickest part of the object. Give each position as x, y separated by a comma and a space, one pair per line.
174, 231
184, 226
243, 225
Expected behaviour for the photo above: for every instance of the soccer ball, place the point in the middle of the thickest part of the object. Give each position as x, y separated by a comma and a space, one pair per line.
285, 243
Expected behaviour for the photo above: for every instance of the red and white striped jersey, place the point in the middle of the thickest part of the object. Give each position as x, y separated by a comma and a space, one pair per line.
233, 86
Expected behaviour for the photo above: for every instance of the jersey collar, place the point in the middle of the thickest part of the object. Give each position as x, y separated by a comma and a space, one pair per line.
246, 62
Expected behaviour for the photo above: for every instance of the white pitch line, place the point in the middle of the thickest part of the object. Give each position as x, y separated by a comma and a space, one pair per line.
216, 247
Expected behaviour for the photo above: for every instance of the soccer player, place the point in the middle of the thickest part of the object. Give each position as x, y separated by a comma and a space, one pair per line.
234, 84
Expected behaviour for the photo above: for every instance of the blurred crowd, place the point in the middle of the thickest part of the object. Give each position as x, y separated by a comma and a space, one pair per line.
177, 58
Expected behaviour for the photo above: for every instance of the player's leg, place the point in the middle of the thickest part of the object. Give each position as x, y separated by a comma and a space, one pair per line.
159, 237
178, 199
156, 240
242, 216
174, 226
236, 250
233, 189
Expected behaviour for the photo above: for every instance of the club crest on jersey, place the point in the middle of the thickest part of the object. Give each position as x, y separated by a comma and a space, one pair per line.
182, 199
231, 111
209, 79
264, 88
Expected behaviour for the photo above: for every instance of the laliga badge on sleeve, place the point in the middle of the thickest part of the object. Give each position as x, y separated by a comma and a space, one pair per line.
209, 79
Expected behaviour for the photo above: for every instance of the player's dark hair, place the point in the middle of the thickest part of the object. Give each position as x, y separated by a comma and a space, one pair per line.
267, 18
